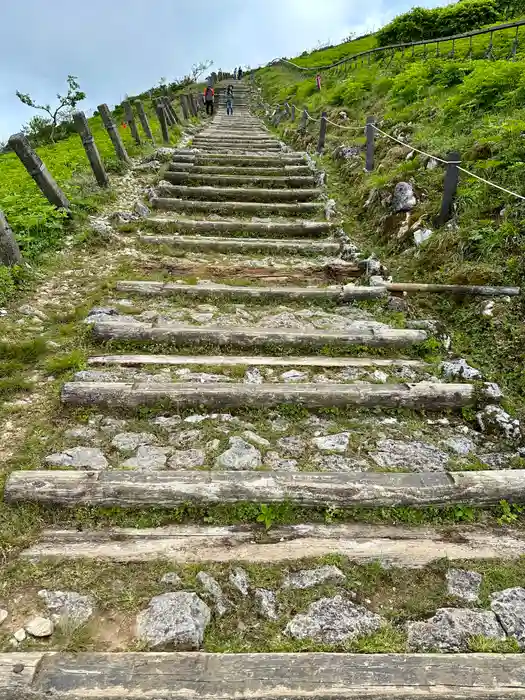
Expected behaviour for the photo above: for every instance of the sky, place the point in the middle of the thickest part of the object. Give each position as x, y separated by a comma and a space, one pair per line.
119, 48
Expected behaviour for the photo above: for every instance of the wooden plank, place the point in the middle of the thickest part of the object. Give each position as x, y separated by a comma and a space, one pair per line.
275, 247
341, 293
257, 337
184, 544
255, 208
17, 674
364, 489
313, 676
252, 194
413, 287
231, 225
254, 360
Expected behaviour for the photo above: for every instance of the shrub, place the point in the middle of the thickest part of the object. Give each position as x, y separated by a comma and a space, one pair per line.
496, 84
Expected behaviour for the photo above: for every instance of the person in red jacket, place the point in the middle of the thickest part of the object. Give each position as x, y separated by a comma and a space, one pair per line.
209, 96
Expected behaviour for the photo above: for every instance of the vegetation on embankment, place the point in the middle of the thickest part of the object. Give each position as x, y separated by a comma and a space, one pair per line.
442, 104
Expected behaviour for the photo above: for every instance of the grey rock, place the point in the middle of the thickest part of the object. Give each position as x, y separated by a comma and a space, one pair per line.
79, 458
240, 455
27, 310
112, 425
80, 433
403, 198
212, 587
415, 456
497, 460
141, 209
150, 167
459, 369
459, 445
422, 235
293, 375
239, 580
338, 463
464, 584
68, 606
197, 418
3, 615
450, 629
253, 376
279, 425
379, 376
186, 438
20, 635
344, 152
171, 579
334, 620
424, 324
275, 461
292, 445
308, 578
167, 421
187, 459
397, 304
332, 443
492, 391
267, 603
40, 627
494, 419
252, 437
148, 458
509, 606
176, 620
126, 442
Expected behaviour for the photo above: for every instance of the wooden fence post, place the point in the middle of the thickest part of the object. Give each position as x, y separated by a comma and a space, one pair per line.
38, 171
82, 127
322, 133
184, 107
450, 187
161, 114
293, 113
370, 140
114, 135
143, 118
171, 112
130, 118
193, 103
304, 120
9, 250
169, 118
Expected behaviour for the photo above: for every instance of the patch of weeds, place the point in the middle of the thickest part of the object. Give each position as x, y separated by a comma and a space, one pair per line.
509, 513
485, 645
10, 386
66, 362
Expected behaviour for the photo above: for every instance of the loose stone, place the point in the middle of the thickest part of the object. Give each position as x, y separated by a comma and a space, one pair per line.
464, 584
40, 627
240, 455
126, 442
68, 607
307, 578
451, 629
79, 458
509, 606
332, 443
267, 602
212, 587
239, 580
175, 620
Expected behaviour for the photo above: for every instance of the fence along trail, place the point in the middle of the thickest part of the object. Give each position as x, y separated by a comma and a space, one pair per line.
267, 382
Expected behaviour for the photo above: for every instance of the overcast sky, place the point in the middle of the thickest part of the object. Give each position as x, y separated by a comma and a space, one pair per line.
126, 47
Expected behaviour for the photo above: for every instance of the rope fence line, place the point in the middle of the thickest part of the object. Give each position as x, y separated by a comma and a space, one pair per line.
413, 148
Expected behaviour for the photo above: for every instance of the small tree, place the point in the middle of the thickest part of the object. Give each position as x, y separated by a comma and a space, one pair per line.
66, 103
198, 69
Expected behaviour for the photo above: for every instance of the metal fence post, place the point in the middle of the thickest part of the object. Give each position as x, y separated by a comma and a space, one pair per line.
82, 127
370, 142
322, 133
450, 186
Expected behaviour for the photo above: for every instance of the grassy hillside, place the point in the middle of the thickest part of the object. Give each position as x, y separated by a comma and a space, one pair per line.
440, 104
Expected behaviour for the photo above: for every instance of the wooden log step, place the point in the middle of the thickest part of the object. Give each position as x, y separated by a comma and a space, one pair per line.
344, 293
460, 289
280, 159
128, 489
190, 177
265, 676
254, 361
256, 337
249, 139
253, 208
419, 396
260, 170
239, 245
239, 226
238, 194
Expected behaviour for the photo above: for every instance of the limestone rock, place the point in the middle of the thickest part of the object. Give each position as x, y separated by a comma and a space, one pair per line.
171, 579
253, 376
267, 603
509, 606
450, 629
334, 620
186, 438
148, 458
79, 458
239, 580
415, 456
252, 437
493, 419
176, 620
403, 198
212, 587
20, 635
308, 578
464, 584
332, 443
292, 445
459, 369
112, 425
338, 463
40, 627
240, 455
459, 445
422, 235
167, 421
294, 375
80, 433
187, 459
275, 461
141, 209
68, 606
126, 442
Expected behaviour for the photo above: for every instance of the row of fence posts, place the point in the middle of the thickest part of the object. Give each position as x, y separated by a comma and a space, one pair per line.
451, 180
190, 106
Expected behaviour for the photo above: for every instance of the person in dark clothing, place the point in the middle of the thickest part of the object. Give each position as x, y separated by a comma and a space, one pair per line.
209, 96
239, 74
229, 100
235, 74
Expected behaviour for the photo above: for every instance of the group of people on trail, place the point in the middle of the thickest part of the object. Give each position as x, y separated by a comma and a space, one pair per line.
238, 73
209, 98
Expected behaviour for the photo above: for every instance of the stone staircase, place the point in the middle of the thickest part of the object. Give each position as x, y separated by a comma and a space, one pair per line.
268, 384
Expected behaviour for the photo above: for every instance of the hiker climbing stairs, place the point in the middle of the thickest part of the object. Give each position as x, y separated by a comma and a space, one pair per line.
268, 376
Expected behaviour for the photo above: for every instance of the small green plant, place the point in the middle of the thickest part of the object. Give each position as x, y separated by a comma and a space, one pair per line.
509, 513
267, 515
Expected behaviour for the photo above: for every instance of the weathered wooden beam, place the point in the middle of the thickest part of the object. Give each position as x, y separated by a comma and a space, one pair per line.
322, 133
257, 337
113, 133
274, 676
130, 119
394, 546
460, 289
184, 107
274, 228
370, 133
82, 127
275, 247
161, 115
276, 183
251, 194
38, 171
128, 489
254, 208
143, 118
9, 250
